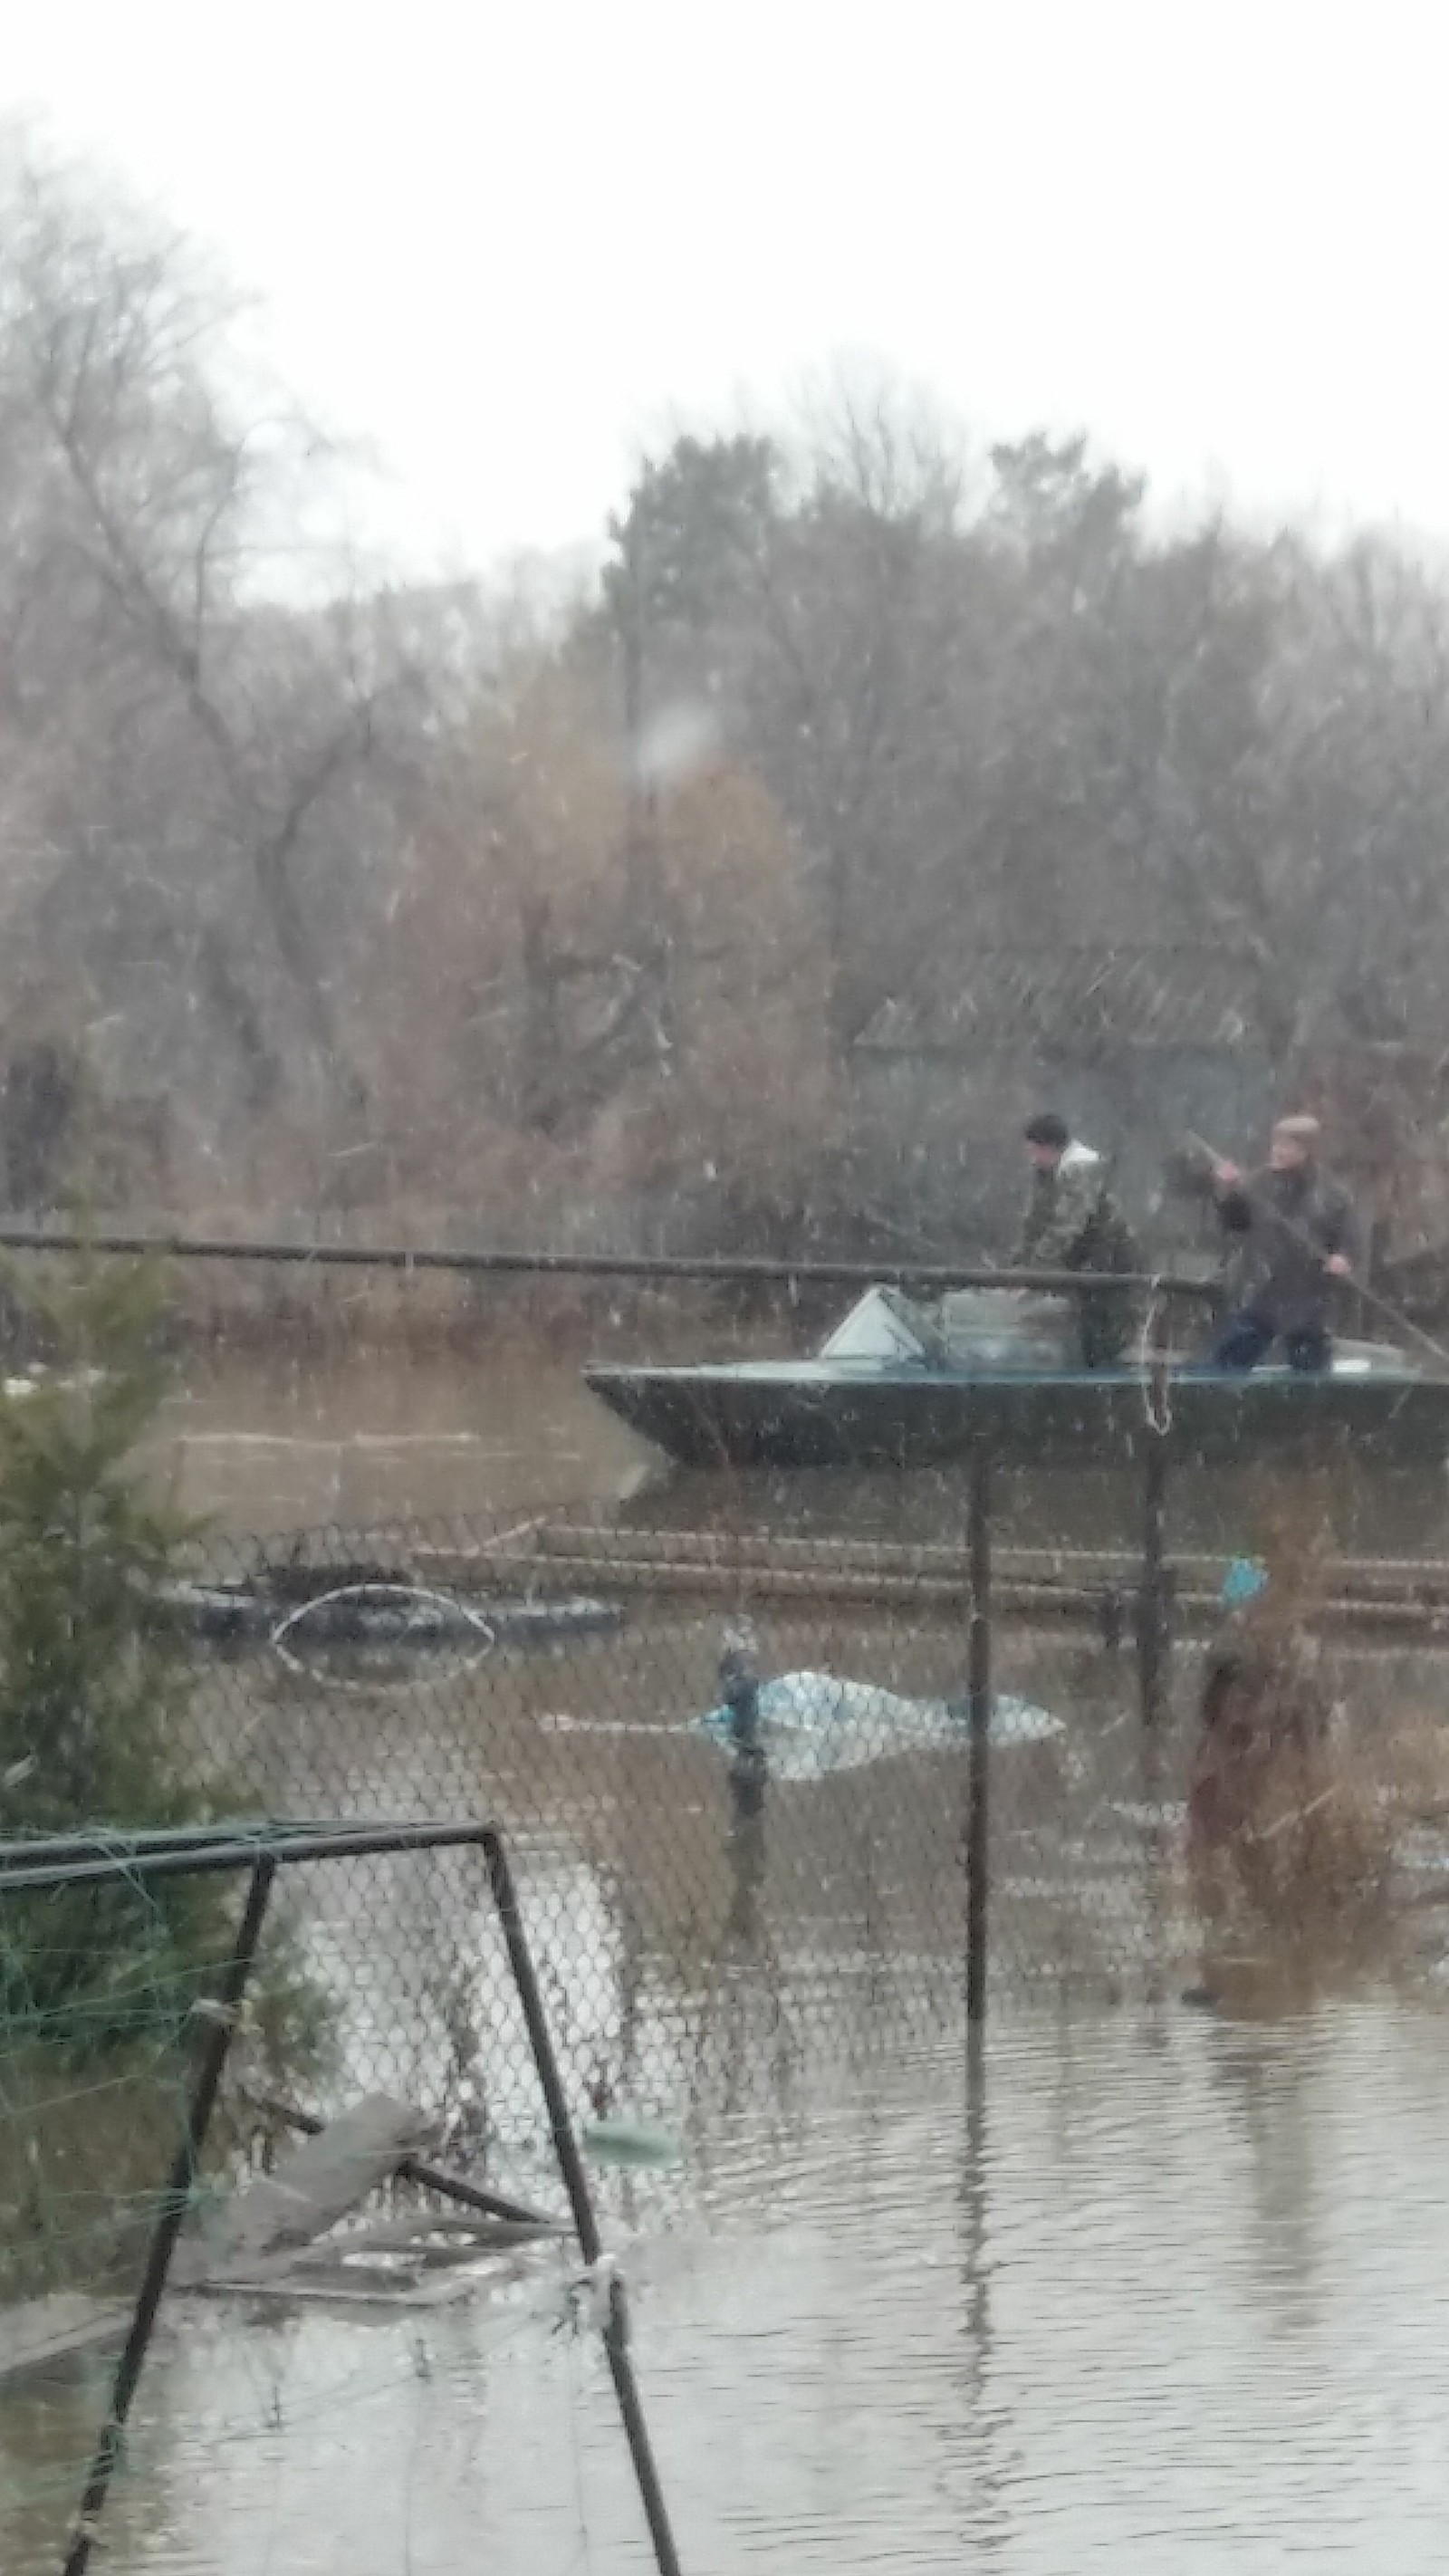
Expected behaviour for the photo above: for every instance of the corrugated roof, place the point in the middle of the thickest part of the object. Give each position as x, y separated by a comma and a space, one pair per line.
1138, 997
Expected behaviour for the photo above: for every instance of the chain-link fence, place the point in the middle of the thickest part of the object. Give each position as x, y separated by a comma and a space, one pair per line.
714, 1907
149, 2001
739, 1770
708, 1914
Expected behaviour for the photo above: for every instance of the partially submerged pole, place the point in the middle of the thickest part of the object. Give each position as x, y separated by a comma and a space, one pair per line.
1152, 1608
175, 2203
586, 2226
978, 1686
740, 1689
749, 1773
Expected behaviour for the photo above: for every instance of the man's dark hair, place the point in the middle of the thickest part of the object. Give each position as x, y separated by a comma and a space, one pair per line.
1048, 1129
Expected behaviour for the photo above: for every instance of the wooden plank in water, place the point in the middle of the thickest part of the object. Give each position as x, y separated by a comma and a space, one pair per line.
1407, 1597
312, 2188
593, 1542
393, 2262
737, 1584
600, 1545
42, 2331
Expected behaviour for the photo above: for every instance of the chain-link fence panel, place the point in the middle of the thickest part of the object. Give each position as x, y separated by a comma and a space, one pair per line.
708, 1914
142, 1969
734, 1763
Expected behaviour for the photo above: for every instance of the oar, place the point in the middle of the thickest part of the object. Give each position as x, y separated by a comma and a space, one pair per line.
1371, 1296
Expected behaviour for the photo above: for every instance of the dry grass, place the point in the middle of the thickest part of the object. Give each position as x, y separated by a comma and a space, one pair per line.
1301, 1804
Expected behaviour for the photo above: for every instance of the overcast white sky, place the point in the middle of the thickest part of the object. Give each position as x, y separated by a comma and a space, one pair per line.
507, 240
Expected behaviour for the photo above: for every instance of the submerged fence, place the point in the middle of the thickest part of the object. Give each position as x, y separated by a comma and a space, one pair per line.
41, 1880
778, 1805
774, 1802
780, 1796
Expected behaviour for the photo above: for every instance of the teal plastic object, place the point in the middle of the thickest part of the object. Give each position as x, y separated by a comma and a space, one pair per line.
630, 2142
1244, 1580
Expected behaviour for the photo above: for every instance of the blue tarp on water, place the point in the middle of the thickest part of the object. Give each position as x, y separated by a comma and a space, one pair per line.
813, 1724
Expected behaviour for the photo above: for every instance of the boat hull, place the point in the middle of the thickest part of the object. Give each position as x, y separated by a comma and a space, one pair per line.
828, 1414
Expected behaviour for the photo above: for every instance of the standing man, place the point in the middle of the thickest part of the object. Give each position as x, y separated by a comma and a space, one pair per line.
1298, 1237
1074, 1223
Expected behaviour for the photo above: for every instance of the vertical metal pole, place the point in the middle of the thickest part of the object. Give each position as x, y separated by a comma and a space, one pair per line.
175, 2203
979, 1756
975, 2195
1152, 1605
740, 1686
586, 2227
1152, 1651
749, 1774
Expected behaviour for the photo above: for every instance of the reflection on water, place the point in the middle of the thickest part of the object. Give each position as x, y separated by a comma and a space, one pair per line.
280, 1442
1218, 1510
1138, 2305
277, 1443
687, 1962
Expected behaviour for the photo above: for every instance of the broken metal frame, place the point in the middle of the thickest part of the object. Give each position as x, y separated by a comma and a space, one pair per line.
58, 1861
414, 2169
175, 2201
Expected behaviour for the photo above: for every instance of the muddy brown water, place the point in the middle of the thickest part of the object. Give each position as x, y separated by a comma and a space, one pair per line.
272, 1445
1168, 2287
1171, 2295
260, 1445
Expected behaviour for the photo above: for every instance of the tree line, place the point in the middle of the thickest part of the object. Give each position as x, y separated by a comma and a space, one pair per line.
322, 891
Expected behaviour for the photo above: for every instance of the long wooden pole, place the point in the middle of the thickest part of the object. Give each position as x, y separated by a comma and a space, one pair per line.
749, 1269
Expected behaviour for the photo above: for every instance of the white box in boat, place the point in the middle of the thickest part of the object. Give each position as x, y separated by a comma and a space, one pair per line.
979, 1329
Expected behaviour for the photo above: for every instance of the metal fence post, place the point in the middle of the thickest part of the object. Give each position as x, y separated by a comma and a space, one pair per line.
749, 1775
740, 1685
586, 2225
1153, 1638
1152, 1632
175, 2203
979, 1754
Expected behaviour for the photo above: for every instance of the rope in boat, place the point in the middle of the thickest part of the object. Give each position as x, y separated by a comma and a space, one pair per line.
1155, 1363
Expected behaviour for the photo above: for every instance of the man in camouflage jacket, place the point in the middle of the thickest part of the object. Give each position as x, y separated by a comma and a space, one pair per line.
1074, 1223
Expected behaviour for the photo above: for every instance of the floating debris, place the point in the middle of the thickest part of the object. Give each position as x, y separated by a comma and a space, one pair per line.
812, 1724
631, 2142
379, 1613
1244, 1581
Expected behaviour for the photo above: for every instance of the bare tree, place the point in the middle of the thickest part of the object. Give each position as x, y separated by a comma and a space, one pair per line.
186, 748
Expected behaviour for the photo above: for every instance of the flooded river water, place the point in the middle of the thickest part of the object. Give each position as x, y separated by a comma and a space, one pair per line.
260, 1445
1170, 2293
1167, 2287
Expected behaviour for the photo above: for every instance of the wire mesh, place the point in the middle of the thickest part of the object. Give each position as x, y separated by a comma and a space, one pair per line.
702, 1925
124, 2006
712, 1918
732, 1764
